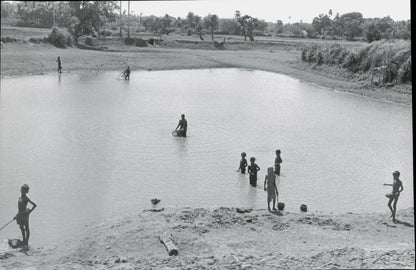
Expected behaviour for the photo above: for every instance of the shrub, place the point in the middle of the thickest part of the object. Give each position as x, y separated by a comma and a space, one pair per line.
8, 39
391, 57
141, 42
60, 38
106, 33
129, 41
39, 40
351, 62
88, 41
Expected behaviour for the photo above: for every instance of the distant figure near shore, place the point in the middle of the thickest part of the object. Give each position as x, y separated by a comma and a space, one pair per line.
126, 74
22, 217
182, 126
277, 162
253, 168
394, 195
243, 163
59, 64
270, 187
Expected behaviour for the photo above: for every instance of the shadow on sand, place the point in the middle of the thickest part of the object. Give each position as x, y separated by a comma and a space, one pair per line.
407, 224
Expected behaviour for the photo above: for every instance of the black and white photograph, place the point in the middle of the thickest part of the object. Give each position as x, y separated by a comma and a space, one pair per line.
206, 134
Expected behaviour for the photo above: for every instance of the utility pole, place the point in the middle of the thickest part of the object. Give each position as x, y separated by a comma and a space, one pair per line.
121, 34
128, 20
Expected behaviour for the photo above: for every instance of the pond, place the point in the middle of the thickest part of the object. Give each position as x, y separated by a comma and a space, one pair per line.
91, 147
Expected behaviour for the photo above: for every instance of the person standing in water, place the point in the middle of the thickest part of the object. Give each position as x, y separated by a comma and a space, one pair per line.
59, 64
270, 187
277, 162
253, 168
243, 163
183, 126
126, 74
22, 217
394, 196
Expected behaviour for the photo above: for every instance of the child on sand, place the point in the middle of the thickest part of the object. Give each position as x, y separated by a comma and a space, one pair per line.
270, 187
243, 163
22, 217
277, 162
394, 195
253, 168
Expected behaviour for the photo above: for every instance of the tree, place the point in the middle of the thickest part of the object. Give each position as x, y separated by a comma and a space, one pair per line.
229, 26
200, 29
190, 20
211, 24
7, 10
91, 15
400, 29
370, 31
35, 14
247, 24
165, 25
322, 24
295, 29
351, 24
149, 23
279, 27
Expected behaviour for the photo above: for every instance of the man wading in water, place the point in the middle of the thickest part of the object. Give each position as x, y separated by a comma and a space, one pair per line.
183, 126
22, 217
126, 74
394, 195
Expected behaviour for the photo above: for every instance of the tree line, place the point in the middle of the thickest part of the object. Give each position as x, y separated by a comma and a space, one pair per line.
104, 18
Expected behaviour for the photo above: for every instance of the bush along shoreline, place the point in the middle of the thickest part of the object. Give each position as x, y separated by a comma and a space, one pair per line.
385, 62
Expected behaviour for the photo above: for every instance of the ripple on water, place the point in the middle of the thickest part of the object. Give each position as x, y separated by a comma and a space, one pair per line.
152, 138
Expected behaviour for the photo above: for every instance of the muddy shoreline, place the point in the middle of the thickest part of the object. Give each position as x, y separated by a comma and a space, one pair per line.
226, 238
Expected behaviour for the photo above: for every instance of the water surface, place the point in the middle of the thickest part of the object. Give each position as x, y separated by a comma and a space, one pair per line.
91, 147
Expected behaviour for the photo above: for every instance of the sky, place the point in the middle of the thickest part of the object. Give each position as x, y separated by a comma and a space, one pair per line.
289, 11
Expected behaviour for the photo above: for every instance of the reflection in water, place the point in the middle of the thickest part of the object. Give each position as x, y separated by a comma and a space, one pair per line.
182, 146
59, 78
252, 196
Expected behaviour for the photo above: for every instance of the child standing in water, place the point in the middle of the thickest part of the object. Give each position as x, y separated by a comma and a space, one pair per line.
270, 187
243, 163
253, 168
277, 162
394, 196
59, 64
22, 217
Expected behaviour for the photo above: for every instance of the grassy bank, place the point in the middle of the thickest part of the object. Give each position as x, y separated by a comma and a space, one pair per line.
223, 238
381, 62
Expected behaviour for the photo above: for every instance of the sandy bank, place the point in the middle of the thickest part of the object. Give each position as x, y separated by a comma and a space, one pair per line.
223, 238
28, 58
